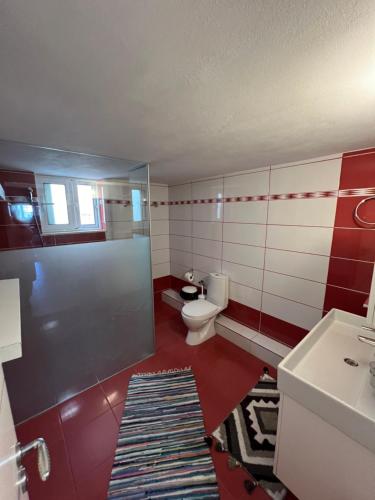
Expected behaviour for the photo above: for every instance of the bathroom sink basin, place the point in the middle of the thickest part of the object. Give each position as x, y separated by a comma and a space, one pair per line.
316, 375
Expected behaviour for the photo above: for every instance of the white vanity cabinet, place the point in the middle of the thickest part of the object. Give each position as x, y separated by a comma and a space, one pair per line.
326, 431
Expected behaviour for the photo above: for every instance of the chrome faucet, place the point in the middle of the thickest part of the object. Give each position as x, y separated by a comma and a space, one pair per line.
366, 340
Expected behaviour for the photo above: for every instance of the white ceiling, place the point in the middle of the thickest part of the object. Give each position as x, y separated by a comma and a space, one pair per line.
196, 87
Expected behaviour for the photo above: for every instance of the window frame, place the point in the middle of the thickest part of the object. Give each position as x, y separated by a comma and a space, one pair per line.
72, 201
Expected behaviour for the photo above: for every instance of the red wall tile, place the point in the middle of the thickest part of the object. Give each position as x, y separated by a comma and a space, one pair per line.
358, 171
353, 274
358, 244
19, 236
345, 210
281, 331
5, 213
17, 183
243, 314
178, 283
82, 237
162, 283
361, 152
347, 300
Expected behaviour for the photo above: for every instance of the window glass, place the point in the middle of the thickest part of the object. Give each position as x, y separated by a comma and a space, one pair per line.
137, 205
86, 204
57, 207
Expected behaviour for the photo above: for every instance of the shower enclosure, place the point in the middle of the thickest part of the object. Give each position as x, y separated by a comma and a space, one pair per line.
75, 231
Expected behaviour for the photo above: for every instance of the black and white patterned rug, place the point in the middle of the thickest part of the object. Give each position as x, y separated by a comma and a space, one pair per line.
249, 435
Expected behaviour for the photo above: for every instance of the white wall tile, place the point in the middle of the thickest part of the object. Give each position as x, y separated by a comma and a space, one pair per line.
246, 211
116, 191
303, 212
118, 213
181, 192
181, 228
208, 248
159, 242
244, 295
159, 227
248, 276
315, 240
305, 161
206, 264
208, 212
180, 212
244, 254
198, 276
178, 270
160, 256
180, 243
203, 190
292, 312
208, 230
184, 259
120, 230
300, 290
160, 212
160, 270
301, 265
159, 193
250, 184
248, 234
320, 176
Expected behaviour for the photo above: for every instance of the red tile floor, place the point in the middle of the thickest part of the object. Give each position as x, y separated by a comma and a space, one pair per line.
81, 433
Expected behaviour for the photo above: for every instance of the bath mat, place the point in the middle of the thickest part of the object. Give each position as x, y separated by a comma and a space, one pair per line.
161, 452
249, 435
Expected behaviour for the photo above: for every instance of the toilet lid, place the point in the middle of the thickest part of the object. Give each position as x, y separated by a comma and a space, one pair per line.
199, 308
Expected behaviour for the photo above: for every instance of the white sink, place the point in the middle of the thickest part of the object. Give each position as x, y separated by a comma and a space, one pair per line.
315, 375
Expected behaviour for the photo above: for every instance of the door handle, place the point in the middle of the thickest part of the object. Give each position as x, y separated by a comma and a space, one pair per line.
44, 462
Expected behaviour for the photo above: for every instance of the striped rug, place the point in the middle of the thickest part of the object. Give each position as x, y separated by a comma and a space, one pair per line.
161, 452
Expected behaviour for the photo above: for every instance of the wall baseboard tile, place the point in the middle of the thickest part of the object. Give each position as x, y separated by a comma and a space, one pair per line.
268, 350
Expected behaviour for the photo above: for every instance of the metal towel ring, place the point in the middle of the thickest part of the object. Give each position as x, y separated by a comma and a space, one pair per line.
357, 218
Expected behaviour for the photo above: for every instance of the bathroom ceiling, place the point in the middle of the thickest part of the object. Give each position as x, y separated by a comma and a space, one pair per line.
194, 87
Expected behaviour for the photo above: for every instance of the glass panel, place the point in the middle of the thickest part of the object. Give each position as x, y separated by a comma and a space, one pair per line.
86, 204
57, 208
86, 313
86, 301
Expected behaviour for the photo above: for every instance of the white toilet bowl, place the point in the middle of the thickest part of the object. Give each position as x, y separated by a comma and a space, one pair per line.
199, 315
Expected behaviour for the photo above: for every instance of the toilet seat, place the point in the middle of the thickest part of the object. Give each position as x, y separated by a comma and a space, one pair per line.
202, 309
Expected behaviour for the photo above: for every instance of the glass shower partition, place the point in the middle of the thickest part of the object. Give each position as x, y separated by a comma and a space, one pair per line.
86, 292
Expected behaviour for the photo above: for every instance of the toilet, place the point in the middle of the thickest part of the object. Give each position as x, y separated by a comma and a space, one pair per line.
199, 315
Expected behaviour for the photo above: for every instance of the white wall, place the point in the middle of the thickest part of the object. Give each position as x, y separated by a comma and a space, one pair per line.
274, 248
159, 231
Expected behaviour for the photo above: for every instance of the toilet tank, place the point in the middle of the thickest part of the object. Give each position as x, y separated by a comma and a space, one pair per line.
218, 289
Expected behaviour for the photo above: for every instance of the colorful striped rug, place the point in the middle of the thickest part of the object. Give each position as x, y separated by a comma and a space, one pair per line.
161, 451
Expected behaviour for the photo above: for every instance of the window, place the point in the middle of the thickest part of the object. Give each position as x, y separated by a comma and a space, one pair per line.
137, 205
68, 204
56, 203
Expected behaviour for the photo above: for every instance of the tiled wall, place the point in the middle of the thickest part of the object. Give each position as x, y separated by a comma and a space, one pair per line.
160, 231
271, 231
353, 247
